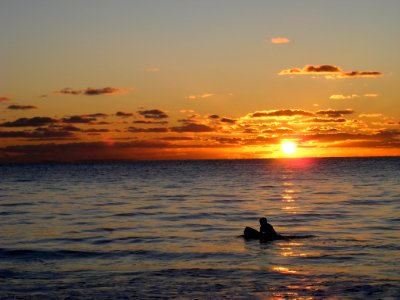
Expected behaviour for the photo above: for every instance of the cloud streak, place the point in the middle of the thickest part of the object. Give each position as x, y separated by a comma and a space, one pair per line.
148, 122
147, 130
343, 97
335, 113
21, 107
93, 91
153, 114
79, 120
192, 127
39, 133
29, 122
201, 96
329, 72
281, 113
123, 114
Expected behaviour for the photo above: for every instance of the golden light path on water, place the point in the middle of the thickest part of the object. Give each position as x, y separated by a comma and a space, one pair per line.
290, 206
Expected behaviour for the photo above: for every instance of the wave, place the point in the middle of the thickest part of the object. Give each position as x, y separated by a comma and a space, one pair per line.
16, 204
32, 254
42, 255
10, 213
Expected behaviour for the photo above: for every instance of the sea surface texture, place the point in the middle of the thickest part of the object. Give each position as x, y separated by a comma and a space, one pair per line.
171, 229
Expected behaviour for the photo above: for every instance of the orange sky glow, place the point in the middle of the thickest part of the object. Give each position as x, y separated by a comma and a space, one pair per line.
131, 83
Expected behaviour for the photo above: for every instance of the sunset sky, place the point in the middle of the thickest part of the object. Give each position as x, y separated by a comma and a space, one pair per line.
191, 79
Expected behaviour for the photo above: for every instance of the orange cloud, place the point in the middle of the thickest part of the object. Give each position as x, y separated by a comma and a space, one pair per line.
244, 136
4, 99
147, 122
326, 120
221, 120
176, 138
140, 130
96, 115
282, 130
387, 123
227, 120
370, 116
321, 129
330, 72
102, 91
192, 127
358, 74
343, 97
153, 114
383, 138
94, 92
29, 122
123, 114
280, 113
190, 119
280, 40
184, 111
79, 120
39, 133
21, 107
335, 113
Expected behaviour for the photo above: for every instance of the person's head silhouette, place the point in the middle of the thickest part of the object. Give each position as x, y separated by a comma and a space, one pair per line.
263, 221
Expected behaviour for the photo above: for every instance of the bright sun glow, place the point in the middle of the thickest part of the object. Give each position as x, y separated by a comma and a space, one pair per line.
289, 148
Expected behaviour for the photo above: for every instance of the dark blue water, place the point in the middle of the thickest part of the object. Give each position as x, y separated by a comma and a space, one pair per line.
126, 230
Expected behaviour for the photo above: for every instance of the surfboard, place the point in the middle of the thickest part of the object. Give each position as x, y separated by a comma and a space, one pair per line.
253, 234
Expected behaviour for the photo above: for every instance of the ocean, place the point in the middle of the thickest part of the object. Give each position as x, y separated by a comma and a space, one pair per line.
171, 229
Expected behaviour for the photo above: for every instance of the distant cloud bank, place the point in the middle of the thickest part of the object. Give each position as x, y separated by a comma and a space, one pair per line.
146, 133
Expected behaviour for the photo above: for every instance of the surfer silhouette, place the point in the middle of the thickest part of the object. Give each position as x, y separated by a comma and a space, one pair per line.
267, 230
266, 233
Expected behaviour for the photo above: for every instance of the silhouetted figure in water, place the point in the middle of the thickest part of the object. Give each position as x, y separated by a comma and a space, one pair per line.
267, 231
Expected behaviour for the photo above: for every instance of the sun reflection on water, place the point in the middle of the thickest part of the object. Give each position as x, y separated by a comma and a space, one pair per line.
289, 194
289, 250
293, 254
284, 270
290, 208
287, 198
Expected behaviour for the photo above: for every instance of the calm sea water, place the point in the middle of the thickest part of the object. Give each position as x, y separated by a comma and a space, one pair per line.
122, 230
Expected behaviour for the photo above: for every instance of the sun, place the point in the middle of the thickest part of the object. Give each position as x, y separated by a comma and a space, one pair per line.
289, 148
